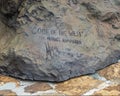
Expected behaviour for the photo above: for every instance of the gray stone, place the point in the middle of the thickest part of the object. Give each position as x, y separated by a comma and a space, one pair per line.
55, 40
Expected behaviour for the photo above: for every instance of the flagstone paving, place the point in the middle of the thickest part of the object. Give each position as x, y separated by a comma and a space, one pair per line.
104, 82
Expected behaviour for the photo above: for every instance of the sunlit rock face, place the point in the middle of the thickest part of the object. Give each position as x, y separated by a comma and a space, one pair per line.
55, 40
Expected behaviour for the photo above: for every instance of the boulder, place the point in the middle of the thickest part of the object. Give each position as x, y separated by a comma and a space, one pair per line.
55, 40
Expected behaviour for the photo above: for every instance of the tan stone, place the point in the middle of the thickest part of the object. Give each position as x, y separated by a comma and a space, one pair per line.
77, 86
113, 90
112, 72
6, 79
7, 93
52, 94
39, 86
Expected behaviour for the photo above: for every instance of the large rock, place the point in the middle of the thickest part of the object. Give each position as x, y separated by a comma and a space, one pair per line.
55, 40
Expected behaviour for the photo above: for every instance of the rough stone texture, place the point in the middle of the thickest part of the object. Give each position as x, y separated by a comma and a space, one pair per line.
7, 93
38, 87
84, 86
112, 72
113, 90
6, 79
55, 94
77, 86
55, 40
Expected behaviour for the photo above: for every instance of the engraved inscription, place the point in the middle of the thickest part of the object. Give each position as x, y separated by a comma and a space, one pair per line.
58, 35
71, 41
46, 31
56, 40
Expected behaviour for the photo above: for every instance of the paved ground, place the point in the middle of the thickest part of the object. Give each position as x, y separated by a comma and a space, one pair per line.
103, 82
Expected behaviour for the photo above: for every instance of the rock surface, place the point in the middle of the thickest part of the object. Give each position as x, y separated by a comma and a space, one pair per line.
90, 85
38, 87
55, 40
6, 79
113, 90
7, 93
77, 86
111, 72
